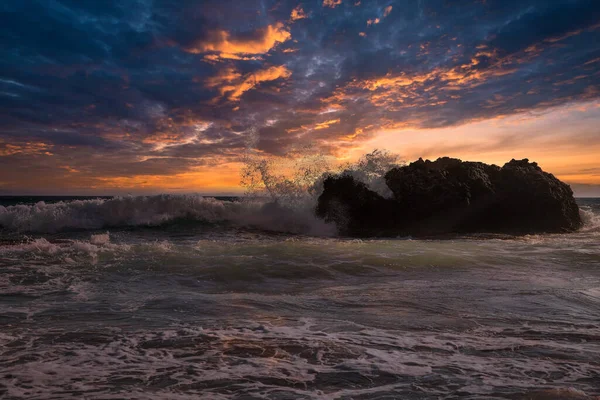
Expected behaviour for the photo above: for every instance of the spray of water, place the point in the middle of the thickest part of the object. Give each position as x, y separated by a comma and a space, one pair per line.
371, 169
291, 184
297, 178
286, 180
591, 220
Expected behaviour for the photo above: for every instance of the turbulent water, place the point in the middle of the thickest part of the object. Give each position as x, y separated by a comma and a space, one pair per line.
185, 297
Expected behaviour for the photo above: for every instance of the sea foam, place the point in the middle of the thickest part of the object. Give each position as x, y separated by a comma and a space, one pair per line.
591, 220
158, 210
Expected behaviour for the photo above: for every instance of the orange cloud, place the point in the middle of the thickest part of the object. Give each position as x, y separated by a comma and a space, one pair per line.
228, 47
298, 13
393, 81
401, 90
8, 149
69, 169
252, 80
331, 3
226, 75
213, 58
327, 124
232, 84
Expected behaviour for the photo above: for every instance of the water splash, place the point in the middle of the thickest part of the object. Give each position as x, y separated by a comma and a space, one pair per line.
287, 180
371, 169
591, 220
297, 177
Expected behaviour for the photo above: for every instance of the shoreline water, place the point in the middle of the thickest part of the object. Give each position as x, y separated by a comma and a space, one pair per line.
221, 311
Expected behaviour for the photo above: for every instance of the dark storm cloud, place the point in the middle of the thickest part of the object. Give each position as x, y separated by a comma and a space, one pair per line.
195, 79
546, 22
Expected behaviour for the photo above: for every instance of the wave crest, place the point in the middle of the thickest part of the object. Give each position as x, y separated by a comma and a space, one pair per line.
591, 220
158, 210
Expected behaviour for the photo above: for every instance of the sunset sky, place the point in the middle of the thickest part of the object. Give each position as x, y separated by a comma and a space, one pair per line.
148, 96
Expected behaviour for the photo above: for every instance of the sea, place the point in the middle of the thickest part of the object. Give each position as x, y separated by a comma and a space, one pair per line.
194, 297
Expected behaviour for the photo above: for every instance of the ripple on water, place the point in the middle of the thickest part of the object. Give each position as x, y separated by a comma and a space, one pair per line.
303, 358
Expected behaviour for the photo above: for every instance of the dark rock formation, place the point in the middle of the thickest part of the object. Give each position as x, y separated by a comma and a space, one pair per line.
356, 210
534, 201
451, 196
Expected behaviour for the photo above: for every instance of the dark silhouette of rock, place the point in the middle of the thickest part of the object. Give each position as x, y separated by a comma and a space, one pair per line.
356, 210
534, 201
452, 196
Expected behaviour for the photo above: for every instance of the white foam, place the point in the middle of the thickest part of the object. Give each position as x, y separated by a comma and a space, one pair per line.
591, 220
67, 250
100, 239
157, 210
480, 361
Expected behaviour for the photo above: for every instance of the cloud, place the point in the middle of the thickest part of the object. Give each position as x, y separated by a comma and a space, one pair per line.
551, 22
331, 3
298, 13
228, 46
326, 124
233, 85
9, 149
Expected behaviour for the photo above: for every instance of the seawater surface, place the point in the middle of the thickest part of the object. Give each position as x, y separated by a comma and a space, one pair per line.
182, 297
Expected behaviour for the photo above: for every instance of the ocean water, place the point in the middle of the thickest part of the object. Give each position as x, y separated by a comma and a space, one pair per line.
185, 297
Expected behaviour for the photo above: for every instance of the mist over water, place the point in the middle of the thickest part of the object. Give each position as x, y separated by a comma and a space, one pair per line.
182, 297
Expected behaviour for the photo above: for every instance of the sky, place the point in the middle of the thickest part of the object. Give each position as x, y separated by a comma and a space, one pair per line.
149, 96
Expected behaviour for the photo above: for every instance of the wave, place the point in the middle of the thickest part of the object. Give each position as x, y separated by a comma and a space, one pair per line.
135, 211
69, 250
591, 220
72, 251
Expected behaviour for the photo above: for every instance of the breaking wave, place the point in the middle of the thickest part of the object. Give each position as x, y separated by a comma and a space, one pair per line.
159, 210
591, 220
67, 250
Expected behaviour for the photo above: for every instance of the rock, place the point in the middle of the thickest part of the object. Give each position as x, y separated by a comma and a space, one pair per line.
442, 196
356, 210
531, 200
452, 196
